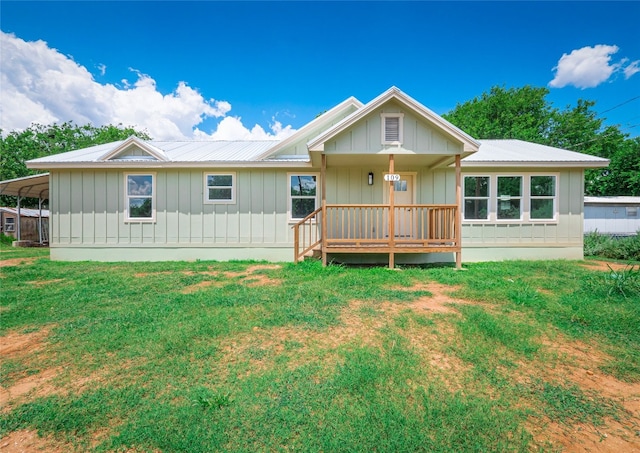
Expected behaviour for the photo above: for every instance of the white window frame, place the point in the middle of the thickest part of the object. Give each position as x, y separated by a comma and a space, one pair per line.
127, 217
540, 197
208, 200
488, 197
291, 197
383, 122
9, 224
525, 199
523, 180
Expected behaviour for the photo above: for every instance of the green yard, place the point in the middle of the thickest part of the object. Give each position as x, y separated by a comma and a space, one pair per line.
206, 356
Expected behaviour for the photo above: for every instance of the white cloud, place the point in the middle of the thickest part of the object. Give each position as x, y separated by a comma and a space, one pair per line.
41, 85
588, 67
631, 69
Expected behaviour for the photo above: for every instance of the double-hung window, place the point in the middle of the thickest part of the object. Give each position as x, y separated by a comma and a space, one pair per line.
509, 198
476, 197
220, 187
543, 197
140, 191
303, 195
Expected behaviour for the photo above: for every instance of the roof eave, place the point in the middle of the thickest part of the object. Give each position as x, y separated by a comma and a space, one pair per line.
349, 102
511, 164
156, 164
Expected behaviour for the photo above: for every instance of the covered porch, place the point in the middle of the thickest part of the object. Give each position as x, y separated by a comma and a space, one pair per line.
393, 227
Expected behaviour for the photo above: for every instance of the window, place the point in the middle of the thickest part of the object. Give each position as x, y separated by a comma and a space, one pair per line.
392, 128
9, 224
632, 211
219, 188
140, 197
509, 198
302, 195
543, 197
476, 197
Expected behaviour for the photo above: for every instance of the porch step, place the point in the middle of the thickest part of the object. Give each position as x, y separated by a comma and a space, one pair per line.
315, 254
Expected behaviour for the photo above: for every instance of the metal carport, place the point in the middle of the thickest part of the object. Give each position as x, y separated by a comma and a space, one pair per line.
36, 186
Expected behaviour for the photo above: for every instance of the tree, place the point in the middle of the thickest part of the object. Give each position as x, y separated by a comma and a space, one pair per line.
525, 114
516, 113
39, 140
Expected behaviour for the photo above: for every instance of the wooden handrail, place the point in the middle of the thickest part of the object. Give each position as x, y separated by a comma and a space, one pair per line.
298, 253
353, 228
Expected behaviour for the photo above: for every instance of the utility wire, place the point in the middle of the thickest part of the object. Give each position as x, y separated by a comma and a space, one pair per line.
620, 105
603, 136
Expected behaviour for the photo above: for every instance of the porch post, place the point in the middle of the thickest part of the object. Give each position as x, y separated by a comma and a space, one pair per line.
18, 220
40, 220
323, 191
458, 227
392, 220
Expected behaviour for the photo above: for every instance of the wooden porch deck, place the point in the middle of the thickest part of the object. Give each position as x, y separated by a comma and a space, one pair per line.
372, 228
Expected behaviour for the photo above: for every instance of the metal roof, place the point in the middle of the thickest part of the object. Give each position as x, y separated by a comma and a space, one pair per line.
36, 186
629, 201
176, 151
517, 152
25, 212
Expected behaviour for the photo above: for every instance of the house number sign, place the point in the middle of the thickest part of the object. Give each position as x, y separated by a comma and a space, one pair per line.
391, 177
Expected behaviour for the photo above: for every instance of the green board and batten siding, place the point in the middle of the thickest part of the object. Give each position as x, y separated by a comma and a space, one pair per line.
535, 240
89, 207
418, 136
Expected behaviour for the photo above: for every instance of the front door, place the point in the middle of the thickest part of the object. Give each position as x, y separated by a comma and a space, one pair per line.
403, 195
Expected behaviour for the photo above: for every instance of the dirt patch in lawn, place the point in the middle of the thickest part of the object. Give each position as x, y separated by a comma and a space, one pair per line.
15, 344
45, 282
198, 286
28, 441
577, 363
249, 277
604, 266
440, 300
39, 383
16, 262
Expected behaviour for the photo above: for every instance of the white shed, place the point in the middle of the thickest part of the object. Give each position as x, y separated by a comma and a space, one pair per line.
618, 216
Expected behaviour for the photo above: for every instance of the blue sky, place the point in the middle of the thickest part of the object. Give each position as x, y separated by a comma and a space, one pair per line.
217, 69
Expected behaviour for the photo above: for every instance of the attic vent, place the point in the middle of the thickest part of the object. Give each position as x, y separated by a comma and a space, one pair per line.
391, 129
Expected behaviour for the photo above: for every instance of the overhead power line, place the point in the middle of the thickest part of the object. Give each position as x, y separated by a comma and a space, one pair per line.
620, 105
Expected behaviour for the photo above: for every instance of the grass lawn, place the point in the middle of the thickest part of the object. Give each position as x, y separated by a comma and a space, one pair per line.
247, 356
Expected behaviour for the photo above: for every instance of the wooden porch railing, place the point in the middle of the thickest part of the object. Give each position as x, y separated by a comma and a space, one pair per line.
306, 235
366, 228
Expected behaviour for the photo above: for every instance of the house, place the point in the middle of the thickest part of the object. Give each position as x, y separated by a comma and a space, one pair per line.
387, 181
33, 225
616, 216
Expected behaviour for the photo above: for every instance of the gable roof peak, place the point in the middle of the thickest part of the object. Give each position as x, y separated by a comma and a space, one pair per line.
470, 144
144, 146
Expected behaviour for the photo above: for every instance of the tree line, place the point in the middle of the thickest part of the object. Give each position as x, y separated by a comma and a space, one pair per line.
525, 114
501, 113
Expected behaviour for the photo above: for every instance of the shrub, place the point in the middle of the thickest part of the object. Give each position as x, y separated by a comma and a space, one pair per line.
621, 248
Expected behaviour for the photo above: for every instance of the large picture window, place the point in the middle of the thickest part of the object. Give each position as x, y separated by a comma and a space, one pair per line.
220, 187
509, 198
303, 195
476, 197
543, 197
528, 197
140, 197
